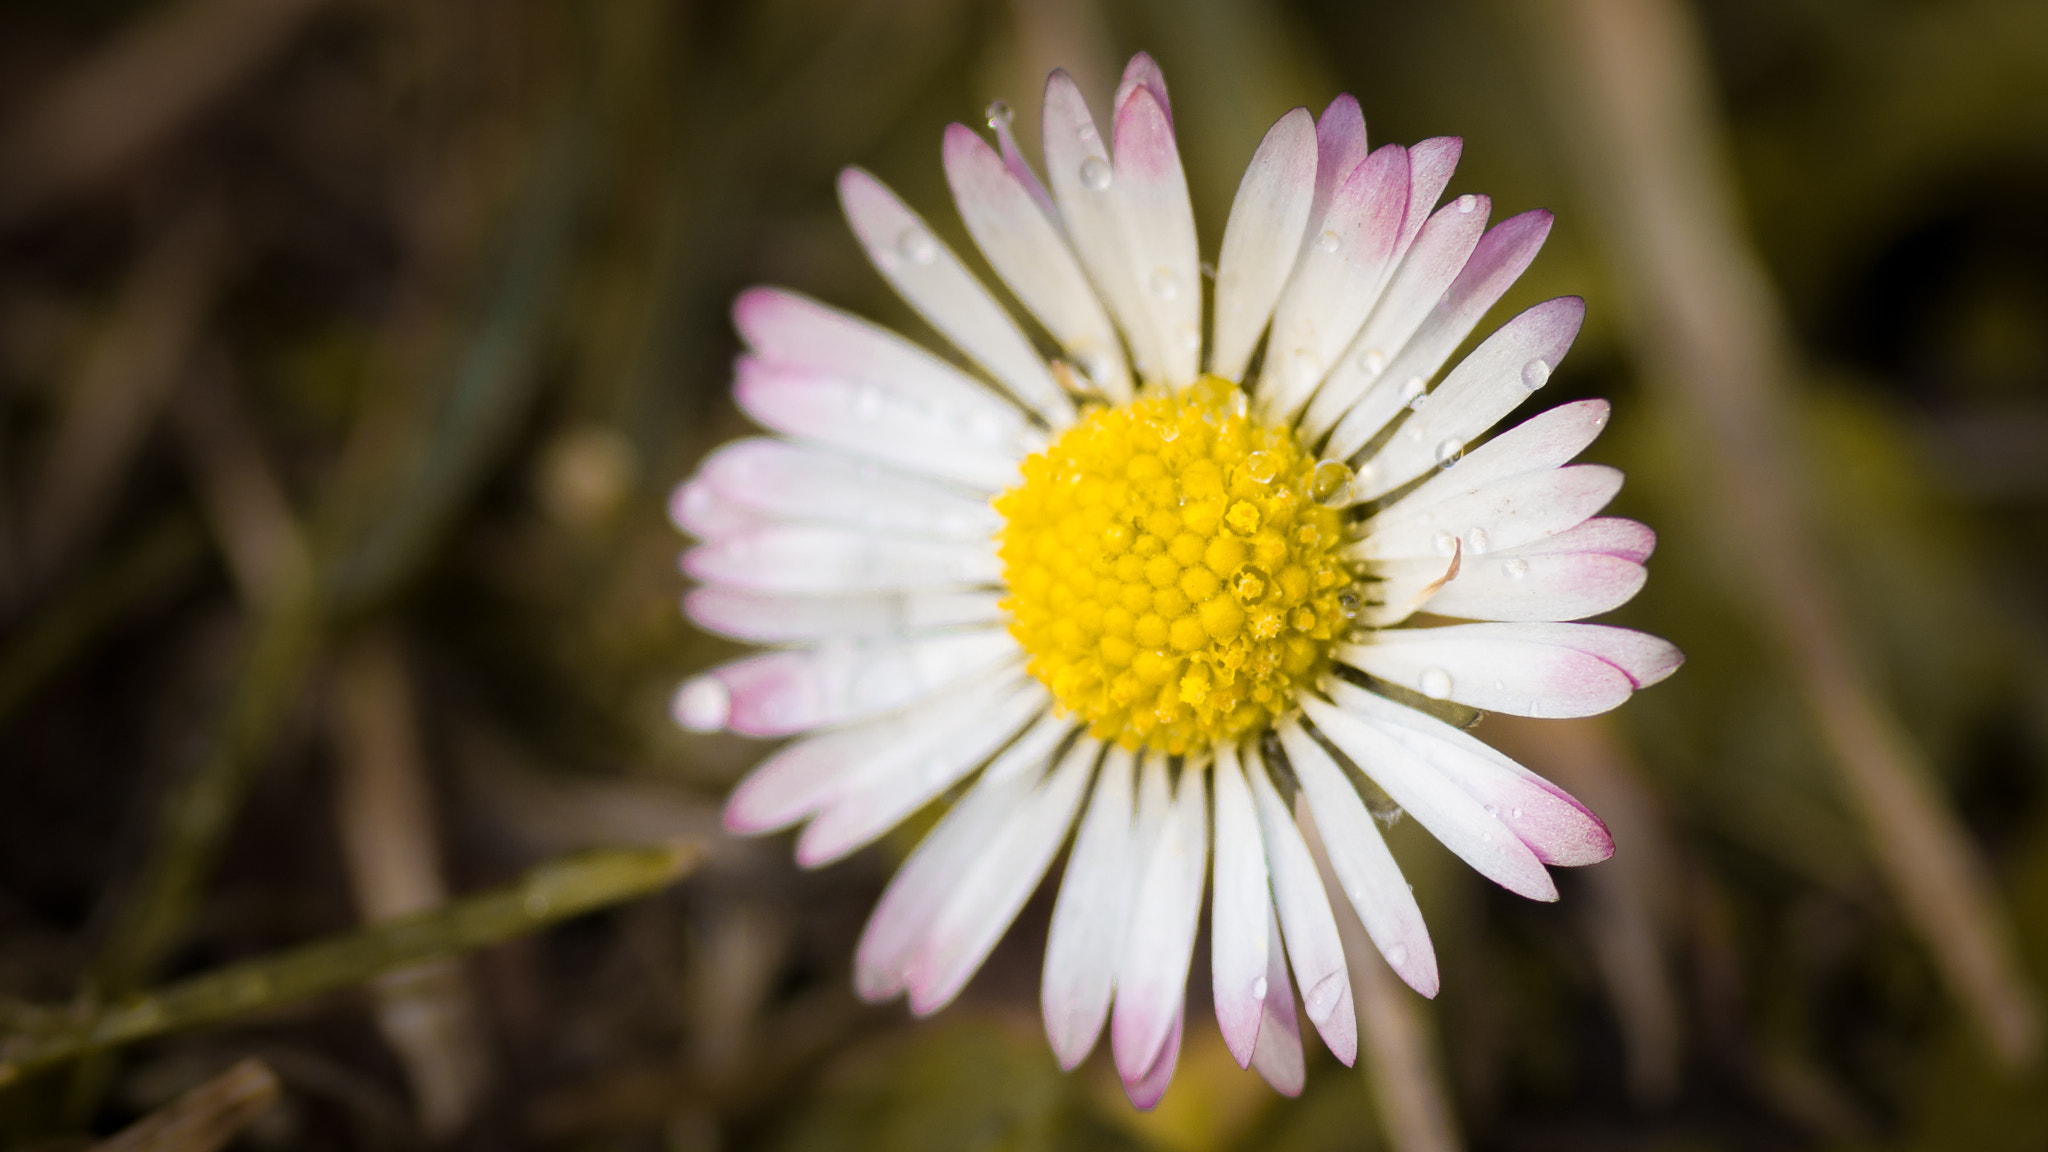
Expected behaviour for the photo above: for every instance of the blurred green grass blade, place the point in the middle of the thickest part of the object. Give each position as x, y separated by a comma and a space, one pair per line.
549, 893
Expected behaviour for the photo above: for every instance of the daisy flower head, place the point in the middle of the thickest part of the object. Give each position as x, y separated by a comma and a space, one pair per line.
1154, 587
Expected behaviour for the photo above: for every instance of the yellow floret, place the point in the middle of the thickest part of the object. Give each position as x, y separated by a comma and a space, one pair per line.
1168, 578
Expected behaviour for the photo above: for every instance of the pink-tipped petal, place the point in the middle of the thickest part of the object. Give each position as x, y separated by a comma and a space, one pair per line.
1495, 264
806, 484
1492, 670
791, 330
1026, 249
1430, 164
1340, 147
1497, 516
1242, 901
801, 560
1013, 159
933, 281
1083, 180
1143, 72
1607, 535
1460, 822
1557, 828
1557, 586
698, 509
1262, 239
1146, 1090
986, 897
1440, 249
783, 693
1278, 1056
1152, 975
766, 618
1337, 279
1313, 946
1158, 223
1547, 440
1090, 917
1365, 870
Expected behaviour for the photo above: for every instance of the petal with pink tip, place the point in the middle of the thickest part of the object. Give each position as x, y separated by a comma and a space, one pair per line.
802, 559
1241, 902
933, 281
767, 618
1262, 239
1090, 916
1026, 249
1083, 182
1499, 515
1547, 440
696, 508
1141, 71
1313, 946
1340, 148
1430, 164
1278, 1055
1606, 535
1556, 586
803, 483
1158, 223
1460, 822
1146, 1090
1365, 870
783, 693
791, 330
1152, 974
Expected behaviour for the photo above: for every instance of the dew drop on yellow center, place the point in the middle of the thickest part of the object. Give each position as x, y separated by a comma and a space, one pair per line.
1170, 576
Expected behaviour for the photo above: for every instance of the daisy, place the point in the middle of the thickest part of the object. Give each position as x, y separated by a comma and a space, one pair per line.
1160, 589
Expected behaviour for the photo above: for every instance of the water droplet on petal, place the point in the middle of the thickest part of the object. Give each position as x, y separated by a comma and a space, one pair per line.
1435, 683
1467, 203
1514, 569
1259, 988
1094, 364
702, 704
1349, 602
917, 245
1518, 813
1535, 374
1095, 174
1397, 955
1191, 337
999, 114
1164, 283
1372, 361
1444, 543
1412, 391
1447, 453
1328, 242
1330, 484
1475, 541
1322, 1000
1305, 366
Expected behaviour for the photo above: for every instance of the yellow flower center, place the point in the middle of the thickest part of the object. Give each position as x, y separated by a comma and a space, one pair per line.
1171, 573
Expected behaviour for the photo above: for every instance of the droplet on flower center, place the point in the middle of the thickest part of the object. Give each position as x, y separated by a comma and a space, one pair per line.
1172, 574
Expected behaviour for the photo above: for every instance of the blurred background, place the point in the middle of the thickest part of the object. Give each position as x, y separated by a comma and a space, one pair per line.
349, 348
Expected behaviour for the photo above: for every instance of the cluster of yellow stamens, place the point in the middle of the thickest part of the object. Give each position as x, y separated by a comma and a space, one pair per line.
1170, 572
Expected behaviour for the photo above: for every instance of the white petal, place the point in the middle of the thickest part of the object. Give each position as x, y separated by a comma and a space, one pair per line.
1026, 249
1158, 223
1453, 817
1544, 441
1495, 264
989, 894
1336, 280
1440, 251
1311, 931
977, 444
1526, 669
862, 810
1278, 1056
794, 482
841, 681
1364, 868
1485, 386
791, 330
697, 510
1262, 239
1089, 918
1558, 586
1497, 516
1242, 902
1557, 828
1607, 535
926, 273
1083, 183
1152, 977
916, 895
770, 619
804, 776
835, 560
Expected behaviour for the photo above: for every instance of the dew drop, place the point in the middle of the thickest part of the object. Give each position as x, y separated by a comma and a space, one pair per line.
1447, 453
1535, 374
1476, 542
1330, 484
917, 245
999, 114
1500, 686
1467, 203
1328, 242
1261, 467
1322, 1000
1087, 132
1412, 391
1435, 683
1164, 284
1305, 366
1168, 431
1372, 361
1259, 988
1095, 174
1397, 955
1514, 569
1191, 337
702, 704
1349, 602
1444, 543
1518, 813
1239, 405
1094, 365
